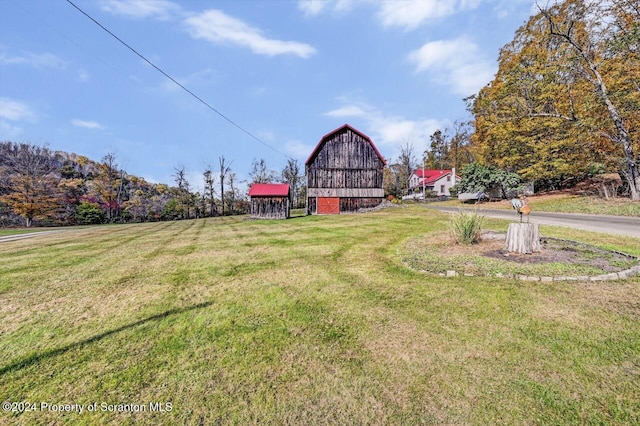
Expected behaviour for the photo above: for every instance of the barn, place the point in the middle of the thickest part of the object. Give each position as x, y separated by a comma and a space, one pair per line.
270, 200
344, 173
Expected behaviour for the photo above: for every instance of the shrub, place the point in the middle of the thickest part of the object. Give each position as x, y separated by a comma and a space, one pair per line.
466, 227
477, 177
88, 213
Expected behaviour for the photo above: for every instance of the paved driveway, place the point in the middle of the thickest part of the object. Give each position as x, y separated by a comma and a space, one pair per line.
28, 235
619, 225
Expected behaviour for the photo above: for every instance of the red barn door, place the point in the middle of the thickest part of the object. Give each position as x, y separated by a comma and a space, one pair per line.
328, 205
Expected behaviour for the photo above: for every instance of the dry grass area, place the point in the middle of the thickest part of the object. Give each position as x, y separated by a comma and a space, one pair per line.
439, 253
314, 320
569, 202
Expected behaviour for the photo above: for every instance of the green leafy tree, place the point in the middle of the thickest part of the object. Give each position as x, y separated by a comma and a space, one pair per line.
438, 153
477, 177
88, 213
172, 210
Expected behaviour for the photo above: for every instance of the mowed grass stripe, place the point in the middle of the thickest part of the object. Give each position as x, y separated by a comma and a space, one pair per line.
313, 320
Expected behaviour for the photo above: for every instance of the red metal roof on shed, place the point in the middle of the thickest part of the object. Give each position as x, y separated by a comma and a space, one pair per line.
333, 132
269, 189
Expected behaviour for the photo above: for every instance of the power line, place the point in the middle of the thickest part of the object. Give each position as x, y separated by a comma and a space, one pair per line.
202, 101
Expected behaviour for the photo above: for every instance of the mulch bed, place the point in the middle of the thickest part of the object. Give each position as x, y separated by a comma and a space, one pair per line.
559, 251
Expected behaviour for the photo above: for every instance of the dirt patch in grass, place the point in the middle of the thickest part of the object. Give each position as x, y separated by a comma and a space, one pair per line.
440, 254
562, 251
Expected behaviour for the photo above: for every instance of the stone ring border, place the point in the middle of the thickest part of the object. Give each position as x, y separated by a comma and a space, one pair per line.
621, 275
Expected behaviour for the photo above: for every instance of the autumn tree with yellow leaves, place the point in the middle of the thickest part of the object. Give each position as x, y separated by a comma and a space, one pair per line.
31, 182
566, 98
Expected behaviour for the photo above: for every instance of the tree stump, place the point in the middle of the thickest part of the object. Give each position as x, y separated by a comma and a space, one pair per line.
523, 238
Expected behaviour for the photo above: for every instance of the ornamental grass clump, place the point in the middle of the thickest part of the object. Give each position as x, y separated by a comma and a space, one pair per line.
466, 227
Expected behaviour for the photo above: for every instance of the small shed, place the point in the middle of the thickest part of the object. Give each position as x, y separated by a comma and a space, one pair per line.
270, 200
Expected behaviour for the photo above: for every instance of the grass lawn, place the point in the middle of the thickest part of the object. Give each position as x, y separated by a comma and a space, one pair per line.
588, 205
313, 320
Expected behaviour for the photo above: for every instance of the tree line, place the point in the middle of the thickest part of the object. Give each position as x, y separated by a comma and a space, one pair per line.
563, 107
54, 188
565, 102
448, 148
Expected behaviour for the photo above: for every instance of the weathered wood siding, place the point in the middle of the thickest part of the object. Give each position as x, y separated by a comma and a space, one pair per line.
355, 204
345, 161
346, 192
270, 207
312, 205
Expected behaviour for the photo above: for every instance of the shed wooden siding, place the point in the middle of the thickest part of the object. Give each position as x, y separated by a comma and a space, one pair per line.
345, 165
270, 207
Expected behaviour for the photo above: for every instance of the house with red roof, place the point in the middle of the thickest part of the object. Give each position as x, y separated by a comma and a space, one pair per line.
270, 200
438, 181
344, 173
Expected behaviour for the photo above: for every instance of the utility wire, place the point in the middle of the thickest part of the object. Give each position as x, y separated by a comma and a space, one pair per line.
205, 103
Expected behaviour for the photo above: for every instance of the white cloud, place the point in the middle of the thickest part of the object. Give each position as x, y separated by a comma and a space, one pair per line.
15, 111
12, 112
317, 7
504, 9
217, 27
87, 124
258, 91
395, 131
298, 149
159, 9
9, 131
36, 60
83, 75
312, 7
388, 131
408, 14
457, 63
347, 111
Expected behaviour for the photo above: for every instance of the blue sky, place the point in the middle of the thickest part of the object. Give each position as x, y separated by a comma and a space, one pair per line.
286, 71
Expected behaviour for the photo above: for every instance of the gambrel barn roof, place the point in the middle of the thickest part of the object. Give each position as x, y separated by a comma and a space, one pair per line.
341, 129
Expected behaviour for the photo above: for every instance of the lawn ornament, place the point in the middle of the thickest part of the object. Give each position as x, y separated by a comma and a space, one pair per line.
520, 205
523, 238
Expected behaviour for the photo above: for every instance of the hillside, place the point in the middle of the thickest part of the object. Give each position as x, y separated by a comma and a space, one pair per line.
53, 188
